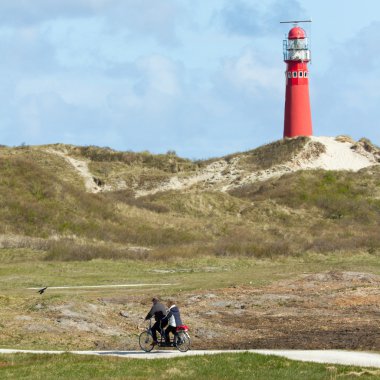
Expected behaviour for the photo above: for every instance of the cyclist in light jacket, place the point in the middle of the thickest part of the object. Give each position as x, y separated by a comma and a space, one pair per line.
173, 317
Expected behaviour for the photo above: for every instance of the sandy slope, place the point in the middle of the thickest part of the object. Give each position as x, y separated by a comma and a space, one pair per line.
338, 156
225, 175
81, 167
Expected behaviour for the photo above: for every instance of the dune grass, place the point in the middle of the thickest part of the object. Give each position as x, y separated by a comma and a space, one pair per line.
42, 200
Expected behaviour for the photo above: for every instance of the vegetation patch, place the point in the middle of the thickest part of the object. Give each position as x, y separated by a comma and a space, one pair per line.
223, 366
306, 211
276, 153
168, 162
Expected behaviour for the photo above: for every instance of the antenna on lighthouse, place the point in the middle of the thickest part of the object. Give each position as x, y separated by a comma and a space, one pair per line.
294, 22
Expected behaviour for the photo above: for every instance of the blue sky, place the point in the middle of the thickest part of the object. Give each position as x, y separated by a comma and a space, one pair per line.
203, 78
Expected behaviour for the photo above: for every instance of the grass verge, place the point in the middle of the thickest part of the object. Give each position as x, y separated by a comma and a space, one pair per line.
225, 366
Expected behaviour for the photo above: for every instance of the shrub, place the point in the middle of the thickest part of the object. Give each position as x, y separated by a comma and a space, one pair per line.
70, 250
255, 243
168, 162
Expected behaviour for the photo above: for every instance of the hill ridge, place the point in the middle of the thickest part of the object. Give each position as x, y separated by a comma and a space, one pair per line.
327, 153
240, 204
229, 172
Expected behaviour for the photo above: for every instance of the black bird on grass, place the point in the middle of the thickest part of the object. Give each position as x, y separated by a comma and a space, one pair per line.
42, 290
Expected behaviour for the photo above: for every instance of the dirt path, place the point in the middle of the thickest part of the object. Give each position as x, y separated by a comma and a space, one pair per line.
82, 169
361, 359
103, 286
215, 173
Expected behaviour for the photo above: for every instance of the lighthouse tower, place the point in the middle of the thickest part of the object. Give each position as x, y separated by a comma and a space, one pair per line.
297, 121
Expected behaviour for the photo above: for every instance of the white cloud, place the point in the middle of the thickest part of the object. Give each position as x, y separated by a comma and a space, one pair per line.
346, 95
25, 12
160, 74
253, 18
252, 74
141, 18
24, 51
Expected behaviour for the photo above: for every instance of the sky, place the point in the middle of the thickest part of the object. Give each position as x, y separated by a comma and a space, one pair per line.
204, 78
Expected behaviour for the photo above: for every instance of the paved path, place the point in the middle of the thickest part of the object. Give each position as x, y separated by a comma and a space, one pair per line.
357, 358
100, 286
360, 359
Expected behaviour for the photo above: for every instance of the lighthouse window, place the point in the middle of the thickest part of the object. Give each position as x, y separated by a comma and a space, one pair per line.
294, 74
305, 74
301, 74
289, 74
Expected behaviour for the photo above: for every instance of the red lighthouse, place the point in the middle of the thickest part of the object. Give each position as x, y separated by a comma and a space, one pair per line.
297, 120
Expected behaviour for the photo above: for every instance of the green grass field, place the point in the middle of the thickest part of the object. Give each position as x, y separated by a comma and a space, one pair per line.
23, 268
225, 366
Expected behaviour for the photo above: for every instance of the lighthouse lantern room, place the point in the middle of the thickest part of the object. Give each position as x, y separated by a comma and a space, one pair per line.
297, 120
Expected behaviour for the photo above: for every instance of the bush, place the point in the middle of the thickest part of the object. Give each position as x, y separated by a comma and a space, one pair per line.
168, 162
260, 244
70, 250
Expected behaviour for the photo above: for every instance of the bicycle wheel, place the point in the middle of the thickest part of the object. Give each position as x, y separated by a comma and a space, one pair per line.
183, 341
146, 341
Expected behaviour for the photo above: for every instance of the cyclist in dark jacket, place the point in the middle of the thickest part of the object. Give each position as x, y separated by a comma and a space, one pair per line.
158, 311
173, 317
